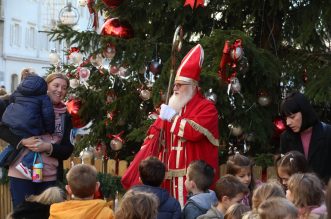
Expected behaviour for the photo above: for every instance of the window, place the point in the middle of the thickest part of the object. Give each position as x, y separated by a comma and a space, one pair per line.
15, 34
14, 82
30, 39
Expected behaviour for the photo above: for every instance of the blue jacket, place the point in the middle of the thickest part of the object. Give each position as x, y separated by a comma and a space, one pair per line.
169, 207
31, 111
199, 204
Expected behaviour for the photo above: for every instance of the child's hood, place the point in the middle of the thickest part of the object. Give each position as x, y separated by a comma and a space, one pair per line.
33, 86
205, 200
81, 209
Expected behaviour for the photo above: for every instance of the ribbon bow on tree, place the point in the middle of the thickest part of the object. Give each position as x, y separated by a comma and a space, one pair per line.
231, 55
194, 3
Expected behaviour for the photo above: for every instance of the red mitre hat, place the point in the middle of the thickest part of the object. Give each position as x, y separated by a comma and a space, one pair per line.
190, 67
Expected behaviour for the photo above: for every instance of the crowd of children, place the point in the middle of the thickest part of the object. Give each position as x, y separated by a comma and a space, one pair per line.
296, 194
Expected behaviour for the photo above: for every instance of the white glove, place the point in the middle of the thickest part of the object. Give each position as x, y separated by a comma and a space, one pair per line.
166, 112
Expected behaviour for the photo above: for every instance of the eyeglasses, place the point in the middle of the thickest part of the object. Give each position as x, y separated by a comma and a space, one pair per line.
178, 85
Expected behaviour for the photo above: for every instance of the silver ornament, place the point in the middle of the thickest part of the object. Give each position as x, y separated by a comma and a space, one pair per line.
235, 130
236, 53
116, 144
235, 85
264, 100
145, 95
96, 60
76, 58
74, 83
87, 153
109, 52
210, 95
54, 58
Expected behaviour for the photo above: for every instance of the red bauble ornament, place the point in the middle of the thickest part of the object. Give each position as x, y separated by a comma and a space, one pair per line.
279, 125
77, 122
73, 107
116, 28
112, 3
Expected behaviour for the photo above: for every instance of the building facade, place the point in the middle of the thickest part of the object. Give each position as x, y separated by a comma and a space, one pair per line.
23, 40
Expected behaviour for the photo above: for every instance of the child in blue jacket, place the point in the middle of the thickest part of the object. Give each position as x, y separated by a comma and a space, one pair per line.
30, 113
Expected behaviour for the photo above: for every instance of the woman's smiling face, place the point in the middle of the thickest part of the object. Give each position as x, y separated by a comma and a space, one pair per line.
57, 90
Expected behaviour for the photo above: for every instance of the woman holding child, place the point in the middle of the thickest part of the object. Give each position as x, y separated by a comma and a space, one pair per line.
53, 148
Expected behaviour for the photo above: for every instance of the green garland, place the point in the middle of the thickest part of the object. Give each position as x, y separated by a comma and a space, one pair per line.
110, 185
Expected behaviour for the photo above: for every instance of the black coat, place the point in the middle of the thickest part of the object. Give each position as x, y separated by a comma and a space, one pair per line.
319, 154
169, 207
31, 210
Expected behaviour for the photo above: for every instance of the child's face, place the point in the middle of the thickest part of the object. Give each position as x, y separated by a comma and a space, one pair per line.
188, 182
245, 175
283, 175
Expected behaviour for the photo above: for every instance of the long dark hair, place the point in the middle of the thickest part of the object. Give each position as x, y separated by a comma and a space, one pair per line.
297, 102
238, 161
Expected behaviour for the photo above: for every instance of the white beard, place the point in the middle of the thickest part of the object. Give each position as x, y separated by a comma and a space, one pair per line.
178, 101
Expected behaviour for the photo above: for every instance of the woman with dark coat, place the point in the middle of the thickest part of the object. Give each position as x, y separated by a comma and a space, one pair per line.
306, 134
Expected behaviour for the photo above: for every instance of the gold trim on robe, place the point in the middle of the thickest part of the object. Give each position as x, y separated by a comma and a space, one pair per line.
205, 132
175, 173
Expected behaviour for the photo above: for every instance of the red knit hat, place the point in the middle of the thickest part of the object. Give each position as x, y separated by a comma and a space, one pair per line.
190, 67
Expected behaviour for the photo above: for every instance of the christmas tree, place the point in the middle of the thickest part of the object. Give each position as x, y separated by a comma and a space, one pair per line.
255, 52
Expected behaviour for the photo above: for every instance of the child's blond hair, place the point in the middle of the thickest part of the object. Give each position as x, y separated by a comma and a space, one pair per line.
277, 208
49, 196
138, 205
27, 72
82, 179
236, 211
266, 191
306, 190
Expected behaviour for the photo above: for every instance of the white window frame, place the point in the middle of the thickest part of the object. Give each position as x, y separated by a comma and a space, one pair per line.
15, 33
31, 36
